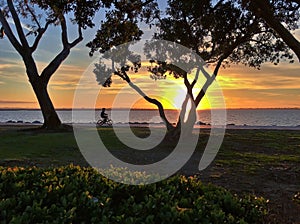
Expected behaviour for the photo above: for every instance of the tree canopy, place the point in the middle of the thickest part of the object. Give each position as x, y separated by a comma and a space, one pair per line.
223, 31
38, 15
280, 15
121, 24
220, 32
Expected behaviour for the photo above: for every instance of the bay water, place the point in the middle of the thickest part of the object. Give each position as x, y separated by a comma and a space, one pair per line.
249, 117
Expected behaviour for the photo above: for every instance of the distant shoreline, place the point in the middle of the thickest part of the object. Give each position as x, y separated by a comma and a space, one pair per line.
234, 117
157, 125
83, 109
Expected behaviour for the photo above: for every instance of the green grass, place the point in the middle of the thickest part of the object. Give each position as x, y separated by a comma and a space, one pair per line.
246, 160
46, 148
251, 151
18, 145
242, 150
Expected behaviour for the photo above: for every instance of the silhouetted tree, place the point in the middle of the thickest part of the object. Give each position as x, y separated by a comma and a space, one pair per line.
39, 15
54, 13
275, 13
121, 24
220, 32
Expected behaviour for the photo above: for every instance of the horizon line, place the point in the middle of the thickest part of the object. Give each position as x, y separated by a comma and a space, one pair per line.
121, 108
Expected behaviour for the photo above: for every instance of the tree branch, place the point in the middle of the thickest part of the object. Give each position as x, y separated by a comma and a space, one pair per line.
146, 3
204, 89
210, 79
54, 65
10, 34
33, 15
155, 102
41, 32
218, 4
188, 86
186, 81
56, 62
262, 9
64, 31
17, 24
195, 79
205, 73
123, 75
160, 107
79, 39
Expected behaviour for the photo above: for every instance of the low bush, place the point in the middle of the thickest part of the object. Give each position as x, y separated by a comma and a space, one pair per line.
72, 194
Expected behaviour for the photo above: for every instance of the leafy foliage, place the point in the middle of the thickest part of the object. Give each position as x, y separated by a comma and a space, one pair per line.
121, 24
38, 15
35, 11
83, 11
281, 16
223, 32
287, 11
81, 195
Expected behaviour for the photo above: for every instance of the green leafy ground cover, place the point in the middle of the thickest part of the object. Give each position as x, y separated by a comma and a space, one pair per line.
81, 195
261, 162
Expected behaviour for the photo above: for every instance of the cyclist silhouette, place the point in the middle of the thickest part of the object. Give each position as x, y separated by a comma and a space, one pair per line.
104, 115
104, 119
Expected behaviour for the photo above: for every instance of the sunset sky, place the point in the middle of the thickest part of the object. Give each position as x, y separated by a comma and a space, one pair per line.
243, 87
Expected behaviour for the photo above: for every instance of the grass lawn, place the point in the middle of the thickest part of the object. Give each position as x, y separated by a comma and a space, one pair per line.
263, 162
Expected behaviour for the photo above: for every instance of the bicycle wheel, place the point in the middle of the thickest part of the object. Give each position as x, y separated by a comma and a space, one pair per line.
100, 122
109, 122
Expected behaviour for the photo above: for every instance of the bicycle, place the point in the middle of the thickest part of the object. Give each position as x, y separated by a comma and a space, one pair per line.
102, 122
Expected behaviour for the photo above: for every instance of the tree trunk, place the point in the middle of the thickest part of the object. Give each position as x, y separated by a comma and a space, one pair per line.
20, 43
186, 120
184, 126
51, 119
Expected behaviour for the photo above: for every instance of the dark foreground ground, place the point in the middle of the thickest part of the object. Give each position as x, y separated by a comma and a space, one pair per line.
263, 162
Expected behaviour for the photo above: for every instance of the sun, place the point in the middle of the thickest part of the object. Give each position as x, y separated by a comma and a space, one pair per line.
177, 96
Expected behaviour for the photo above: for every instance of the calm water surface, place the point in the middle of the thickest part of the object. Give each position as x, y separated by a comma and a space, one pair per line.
251, 117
